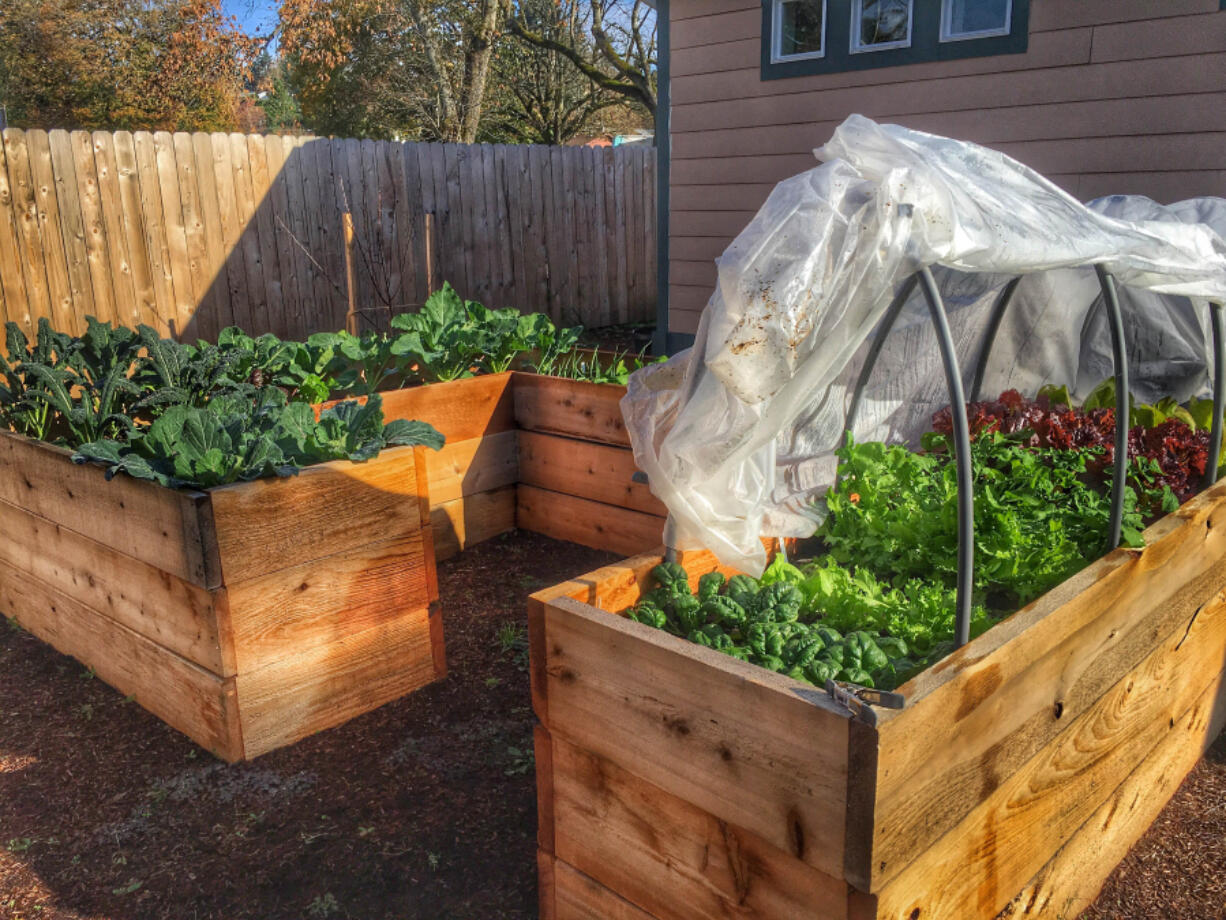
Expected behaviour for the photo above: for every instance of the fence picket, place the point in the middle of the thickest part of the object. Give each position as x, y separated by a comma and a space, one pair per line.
194, 232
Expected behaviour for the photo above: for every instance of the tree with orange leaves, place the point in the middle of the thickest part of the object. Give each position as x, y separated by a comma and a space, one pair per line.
123, 64
413, 69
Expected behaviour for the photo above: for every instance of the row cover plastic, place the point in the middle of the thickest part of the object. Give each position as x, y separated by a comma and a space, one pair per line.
737, 434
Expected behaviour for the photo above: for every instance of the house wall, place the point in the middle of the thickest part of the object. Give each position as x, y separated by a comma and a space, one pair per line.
1111, 97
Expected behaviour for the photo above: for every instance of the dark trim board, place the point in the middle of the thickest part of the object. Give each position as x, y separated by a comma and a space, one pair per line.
926, 45
663, 170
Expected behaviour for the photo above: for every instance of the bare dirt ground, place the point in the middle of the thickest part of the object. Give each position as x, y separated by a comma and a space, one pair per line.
422, 810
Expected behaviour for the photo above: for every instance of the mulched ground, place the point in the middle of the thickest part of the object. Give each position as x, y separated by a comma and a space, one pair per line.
422, 809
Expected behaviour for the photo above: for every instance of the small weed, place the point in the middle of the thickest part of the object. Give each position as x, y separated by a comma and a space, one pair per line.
86, 711
132, 885
521, 762
528, 582
432, 860
493, 682
513, 641
14, 625
323, 906
365, 831
191, 755
127, 699
88, 674
158, 794
119, 860
20, 844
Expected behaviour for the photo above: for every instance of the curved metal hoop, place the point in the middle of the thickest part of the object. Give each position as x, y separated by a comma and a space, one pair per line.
962, 456
989, 335
1219, 393
1119, 355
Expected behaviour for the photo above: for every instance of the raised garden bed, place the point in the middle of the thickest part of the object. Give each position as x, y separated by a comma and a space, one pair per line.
544, 454
246, 616
678, 782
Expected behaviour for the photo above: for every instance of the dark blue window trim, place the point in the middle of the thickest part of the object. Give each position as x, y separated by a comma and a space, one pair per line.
926, 44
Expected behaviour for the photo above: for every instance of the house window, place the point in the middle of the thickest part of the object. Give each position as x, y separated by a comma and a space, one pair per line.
799, 28
880, 25
965, 19
807, 37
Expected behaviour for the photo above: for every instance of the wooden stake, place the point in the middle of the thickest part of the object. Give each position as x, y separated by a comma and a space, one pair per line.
351, 318
429, 253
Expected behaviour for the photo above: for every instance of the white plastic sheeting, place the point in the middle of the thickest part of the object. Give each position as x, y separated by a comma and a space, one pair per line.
737, 434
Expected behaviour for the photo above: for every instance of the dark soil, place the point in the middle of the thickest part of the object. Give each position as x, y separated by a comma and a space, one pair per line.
425, 808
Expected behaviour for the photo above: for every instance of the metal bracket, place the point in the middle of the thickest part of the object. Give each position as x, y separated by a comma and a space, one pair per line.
860, 700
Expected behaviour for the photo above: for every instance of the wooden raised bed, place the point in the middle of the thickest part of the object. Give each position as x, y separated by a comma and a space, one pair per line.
544, 454
576, 467
247, 616
676, 782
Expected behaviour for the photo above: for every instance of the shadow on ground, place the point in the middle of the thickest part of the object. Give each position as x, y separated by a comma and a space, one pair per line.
425, 808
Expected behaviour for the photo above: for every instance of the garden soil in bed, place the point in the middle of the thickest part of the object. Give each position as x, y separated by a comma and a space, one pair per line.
424, 808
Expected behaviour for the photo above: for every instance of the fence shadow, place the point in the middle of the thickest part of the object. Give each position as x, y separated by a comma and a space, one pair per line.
194, 232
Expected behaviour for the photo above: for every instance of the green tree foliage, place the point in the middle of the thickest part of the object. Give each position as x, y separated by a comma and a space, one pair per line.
122, 64
407, 69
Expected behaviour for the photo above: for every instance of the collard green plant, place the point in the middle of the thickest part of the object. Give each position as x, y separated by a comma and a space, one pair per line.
441, 337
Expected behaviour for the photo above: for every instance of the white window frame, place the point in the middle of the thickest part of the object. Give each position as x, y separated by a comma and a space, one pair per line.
777, 55
857, 18
948, 35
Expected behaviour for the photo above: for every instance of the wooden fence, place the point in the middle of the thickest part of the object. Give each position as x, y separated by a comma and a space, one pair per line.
193, 232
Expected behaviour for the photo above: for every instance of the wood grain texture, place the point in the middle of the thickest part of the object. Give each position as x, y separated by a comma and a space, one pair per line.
272, 524
159, 606
748, 746
979, 866
196, 702
1000, 692
155, 525
599, 472
463, 522
572, 408
465, 468
578, 897
460, 409
671, 858
325, 685
586, 522
316, 604
1071, 881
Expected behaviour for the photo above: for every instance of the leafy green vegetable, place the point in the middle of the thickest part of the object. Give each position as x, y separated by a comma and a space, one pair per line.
236, 439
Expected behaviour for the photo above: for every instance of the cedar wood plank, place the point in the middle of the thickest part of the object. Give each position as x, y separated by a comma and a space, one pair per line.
573, 408
324, 686
751, 747
190, 699
976, 868
672, 858
599, 472
159, 606
586, 522
1071, 881
271, 524
997, 695
478, 464
155, 525
315, 604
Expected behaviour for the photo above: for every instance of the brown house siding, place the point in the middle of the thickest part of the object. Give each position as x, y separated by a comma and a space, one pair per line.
1111, 97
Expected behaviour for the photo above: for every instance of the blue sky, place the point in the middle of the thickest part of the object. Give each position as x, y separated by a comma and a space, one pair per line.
256, 16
